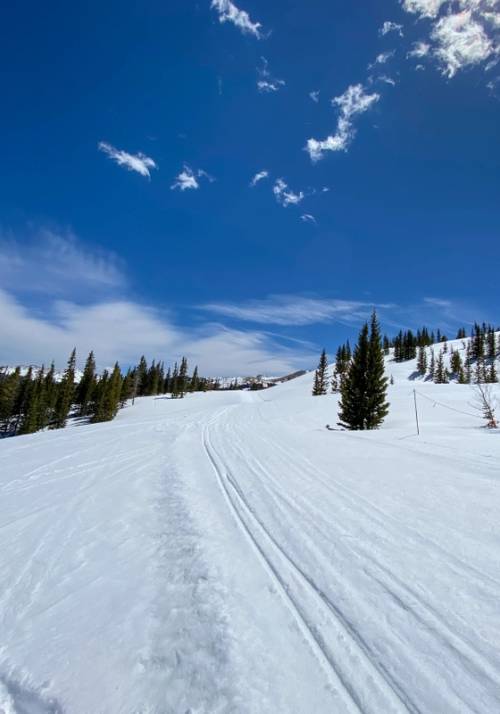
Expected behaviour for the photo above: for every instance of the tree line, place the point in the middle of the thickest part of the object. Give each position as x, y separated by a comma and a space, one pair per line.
359, 373
36, 398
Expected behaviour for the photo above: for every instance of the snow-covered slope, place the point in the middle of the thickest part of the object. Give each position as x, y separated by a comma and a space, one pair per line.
227, 553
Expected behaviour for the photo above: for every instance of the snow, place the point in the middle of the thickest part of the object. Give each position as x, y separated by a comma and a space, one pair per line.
227, 553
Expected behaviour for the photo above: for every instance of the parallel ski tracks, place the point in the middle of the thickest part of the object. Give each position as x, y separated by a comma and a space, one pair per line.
365, 683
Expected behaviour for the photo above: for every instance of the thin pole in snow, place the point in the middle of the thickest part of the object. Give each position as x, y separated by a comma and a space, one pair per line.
416, 411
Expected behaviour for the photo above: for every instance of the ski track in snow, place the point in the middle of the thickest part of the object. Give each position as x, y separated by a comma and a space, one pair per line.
225, 554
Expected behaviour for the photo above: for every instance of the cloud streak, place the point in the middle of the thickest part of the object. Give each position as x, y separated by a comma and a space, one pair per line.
49, 262
260, 176
188, 180
285, 196
352, 103
228, 12
294, 310
140, 163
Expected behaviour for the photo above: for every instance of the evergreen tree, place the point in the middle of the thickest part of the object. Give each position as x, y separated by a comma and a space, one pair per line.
65, 395
9, 388
321, 376
142, 377
378, 407
492, 376
195, 381
363, 396
183, 378
441, 373
109, 397
456, 363
432, 366
422, 361
86, 386
174, 382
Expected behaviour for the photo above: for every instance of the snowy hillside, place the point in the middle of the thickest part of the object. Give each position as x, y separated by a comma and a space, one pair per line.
227, 553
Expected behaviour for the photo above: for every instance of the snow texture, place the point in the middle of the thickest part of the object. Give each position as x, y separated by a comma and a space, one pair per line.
226, 553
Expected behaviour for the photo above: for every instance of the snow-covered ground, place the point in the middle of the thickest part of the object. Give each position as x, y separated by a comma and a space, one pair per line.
227, 553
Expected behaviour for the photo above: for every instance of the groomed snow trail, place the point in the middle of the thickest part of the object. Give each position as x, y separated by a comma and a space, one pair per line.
228, 554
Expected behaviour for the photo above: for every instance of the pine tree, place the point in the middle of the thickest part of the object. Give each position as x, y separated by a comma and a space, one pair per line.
363, 397
9, 388
378, 407
492, 376
432, 366
195, 381
109, 397
174, 382
66, 392
441, 373
86, 386
321, 376
456, 362
183, 378
422, 361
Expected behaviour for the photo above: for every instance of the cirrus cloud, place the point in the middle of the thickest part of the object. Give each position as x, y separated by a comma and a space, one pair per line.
140, 163
228, 12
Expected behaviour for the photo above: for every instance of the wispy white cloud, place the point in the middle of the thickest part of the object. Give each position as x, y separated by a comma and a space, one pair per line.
382, 58
315, 95
385, 80
389, 26
353, 102
228, 12
189, 179
294, 310
260, 176
123, 330
460, 41
266, 86
133, 162
308, 218
267, 83
465, 34
419, 49
423, 8
48, 262
85, 303
284, 195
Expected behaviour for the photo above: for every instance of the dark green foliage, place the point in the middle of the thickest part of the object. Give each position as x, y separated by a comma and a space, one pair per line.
440, 373
9, 389
86, 386
65, 394
422, 361
342, 361
456, 362
320, 386
195, 381
109, 393
363, 395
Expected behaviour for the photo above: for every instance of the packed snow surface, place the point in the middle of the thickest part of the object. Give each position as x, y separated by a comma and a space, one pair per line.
227, 553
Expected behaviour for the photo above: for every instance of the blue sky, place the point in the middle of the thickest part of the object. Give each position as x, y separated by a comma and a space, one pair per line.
130, 135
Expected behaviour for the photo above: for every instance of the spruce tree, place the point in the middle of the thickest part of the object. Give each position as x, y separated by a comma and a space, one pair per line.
183, 378
363, 402
456, 362
422, 361
86, 386
321, 376
378, 407
65, 394
9, 388
195, 381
